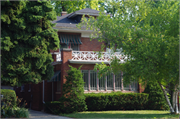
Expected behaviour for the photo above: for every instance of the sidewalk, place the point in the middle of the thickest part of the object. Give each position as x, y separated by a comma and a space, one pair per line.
39, 115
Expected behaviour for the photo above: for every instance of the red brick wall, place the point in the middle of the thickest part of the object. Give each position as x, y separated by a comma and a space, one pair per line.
84, 66
65, 56
88, 45
57, 67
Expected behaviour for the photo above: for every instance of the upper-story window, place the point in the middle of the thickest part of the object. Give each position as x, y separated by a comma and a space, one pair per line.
74, 47
70, 41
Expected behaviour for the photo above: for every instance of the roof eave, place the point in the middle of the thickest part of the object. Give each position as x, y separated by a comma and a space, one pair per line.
75, 14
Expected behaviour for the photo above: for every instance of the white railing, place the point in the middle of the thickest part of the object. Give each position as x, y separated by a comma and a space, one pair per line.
58, 57
93, 56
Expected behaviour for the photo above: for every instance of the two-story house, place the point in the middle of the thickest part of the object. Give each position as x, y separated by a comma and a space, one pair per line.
76, 49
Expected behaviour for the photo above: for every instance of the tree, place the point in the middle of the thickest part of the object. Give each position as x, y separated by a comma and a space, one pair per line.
73, 98
26, 39
147, 33
156, 100
72, 6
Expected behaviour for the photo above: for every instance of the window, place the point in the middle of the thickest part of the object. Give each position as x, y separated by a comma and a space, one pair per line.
110, 81
118, 81
58, 86
93, 80
74, 47
134, 86
85, 77
63, 46
106, 82
102, 83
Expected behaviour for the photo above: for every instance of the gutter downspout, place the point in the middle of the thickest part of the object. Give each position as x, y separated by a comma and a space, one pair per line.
52, 91
43, 92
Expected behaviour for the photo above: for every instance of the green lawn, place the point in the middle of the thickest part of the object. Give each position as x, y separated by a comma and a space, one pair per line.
124, 114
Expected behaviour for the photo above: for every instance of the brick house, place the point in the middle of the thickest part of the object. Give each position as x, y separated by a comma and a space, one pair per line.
76, 50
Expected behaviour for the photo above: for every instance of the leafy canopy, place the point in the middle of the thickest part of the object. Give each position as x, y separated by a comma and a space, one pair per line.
26, 39
147, 31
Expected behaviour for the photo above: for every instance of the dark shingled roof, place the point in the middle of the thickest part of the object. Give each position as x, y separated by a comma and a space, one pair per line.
65, 21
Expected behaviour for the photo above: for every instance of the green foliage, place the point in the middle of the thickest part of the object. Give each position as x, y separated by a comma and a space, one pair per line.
26, 40
156, 100
147, 32
116, 101
73, 92
96, 102
62, 5
9, 105
9, 97
14, 112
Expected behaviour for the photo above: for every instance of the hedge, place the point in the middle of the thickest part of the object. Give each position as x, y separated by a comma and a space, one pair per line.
9, 96
96, 102
105, 101
116, 101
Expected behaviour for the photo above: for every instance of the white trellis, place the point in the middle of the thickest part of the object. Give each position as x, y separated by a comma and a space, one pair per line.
93, 56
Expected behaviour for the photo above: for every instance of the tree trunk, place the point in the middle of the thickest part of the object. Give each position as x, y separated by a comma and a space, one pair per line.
167, 99
177, 111
174, 99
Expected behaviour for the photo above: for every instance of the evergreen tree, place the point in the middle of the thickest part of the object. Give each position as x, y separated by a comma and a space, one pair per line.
26, 39
73, 98
156, 100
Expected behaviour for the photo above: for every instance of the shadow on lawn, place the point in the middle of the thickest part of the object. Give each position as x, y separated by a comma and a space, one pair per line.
120, 115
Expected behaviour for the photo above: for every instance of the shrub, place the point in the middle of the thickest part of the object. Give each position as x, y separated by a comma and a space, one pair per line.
96, 102
9, 105
73, 99
21, 112
116, 101
156, 100
14, 112
9, 97
54, 107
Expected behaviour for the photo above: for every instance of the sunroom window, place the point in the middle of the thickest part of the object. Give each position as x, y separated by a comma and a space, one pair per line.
106, 82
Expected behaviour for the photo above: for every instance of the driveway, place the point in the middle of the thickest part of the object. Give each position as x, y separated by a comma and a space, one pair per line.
39, 115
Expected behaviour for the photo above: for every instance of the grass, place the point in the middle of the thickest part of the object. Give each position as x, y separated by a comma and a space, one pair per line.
124, 114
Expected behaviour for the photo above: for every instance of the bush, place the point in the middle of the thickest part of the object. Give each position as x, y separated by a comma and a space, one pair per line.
116, 101
14, 112
9, 104
9, 97
96, 102
73, 99
156, 100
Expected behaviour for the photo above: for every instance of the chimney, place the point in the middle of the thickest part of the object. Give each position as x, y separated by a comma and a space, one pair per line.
63, 13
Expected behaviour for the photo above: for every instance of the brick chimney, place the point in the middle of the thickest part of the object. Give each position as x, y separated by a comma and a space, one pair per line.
63, 13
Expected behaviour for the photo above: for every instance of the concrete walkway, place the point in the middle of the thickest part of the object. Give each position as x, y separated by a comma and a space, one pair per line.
39, 115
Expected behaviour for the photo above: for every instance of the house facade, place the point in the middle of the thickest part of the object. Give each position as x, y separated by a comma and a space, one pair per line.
76, 49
